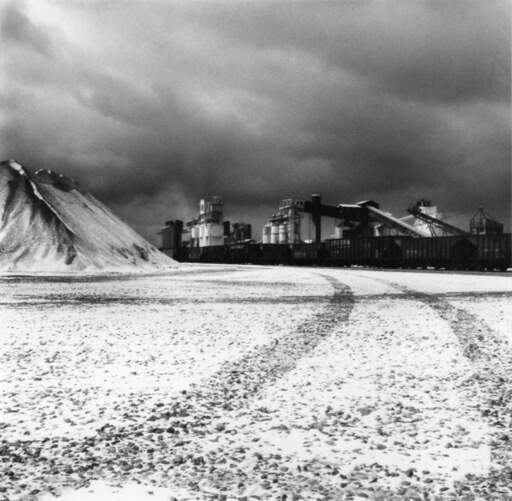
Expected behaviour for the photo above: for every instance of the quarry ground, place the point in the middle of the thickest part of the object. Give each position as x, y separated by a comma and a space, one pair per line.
217, 382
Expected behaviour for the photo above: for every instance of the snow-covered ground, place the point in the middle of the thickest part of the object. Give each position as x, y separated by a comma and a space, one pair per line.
232, 382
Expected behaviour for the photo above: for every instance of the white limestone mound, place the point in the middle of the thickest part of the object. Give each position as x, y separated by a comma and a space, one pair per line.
48, 224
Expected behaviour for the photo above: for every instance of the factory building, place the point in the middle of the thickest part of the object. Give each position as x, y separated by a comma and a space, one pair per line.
363, 234
171, 234
482, 224
207, 230
363, 219
284, 226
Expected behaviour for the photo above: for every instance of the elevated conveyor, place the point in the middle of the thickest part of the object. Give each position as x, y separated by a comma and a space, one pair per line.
377, 214
434, 223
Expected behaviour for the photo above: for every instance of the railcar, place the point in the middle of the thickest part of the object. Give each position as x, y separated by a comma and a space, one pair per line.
276, 254
243, 253
454, 252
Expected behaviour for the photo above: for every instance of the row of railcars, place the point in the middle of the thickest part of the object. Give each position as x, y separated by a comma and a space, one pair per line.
454, 252
484, 252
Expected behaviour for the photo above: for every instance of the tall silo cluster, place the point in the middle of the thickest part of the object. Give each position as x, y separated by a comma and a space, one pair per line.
284, 226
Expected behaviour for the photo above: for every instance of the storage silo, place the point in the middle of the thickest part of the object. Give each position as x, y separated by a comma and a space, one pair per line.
274, 232
283, 232
266, 233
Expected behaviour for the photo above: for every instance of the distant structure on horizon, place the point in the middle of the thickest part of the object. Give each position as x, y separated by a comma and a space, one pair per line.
284, 226
482, 224
363, 219
208, 229
211, 239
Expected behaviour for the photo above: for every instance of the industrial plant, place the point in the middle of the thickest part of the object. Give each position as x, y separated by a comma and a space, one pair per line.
208, 229
363, 234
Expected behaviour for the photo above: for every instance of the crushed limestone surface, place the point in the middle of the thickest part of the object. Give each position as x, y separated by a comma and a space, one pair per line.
256, 383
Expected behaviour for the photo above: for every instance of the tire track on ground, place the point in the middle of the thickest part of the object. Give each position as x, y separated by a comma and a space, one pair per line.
243, 379
165, 437
491, 357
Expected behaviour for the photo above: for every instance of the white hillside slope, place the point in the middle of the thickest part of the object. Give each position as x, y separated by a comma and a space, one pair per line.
48, 224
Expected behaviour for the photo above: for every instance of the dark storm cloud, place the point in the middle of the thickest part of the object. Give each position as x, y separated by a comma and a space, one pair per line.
427, 50
151, 105
16, 28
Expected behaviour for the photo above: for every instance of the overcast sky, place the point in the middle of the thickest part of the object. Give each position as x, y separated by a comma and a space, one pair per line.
151, 105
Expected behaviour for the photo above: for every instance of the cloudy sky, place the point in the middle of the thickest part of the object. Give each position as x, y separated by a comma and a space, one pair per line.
152, 104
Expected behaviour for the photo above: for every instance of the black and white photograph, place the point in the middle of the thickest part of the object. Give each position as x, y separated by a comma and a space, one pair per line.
255, 250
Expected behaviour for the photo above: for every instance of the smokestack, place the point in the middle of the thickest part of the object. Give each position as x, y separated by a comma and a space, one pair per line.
316, 201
